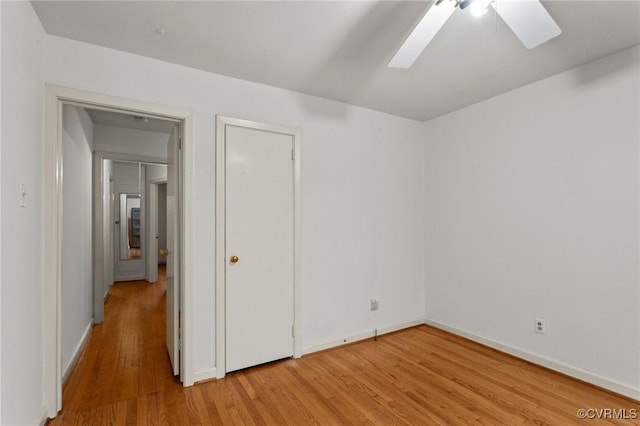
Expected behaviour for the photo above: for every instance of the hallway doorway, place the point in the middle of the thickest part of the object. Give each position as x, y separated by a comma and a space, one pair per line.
56, 100
125, 357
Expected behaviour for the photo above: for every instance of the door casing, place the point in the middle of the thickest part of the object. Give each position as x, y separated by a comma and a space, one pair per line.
55, 98
221, 123
98, 166
152, 239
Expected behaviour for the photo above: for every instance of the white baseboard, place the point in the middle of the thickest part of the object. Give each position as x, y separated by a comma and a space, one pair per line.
577, 373
207, 374
76, 353
129, 278
360, 336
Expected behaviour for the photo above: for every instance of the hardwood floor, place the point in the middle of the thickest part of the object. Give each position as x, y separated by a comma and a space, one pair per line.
419, 376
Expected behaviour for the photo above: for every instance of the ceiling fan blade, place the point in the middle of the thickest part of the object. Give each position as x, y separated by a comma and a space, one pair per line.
529, 20
422, 34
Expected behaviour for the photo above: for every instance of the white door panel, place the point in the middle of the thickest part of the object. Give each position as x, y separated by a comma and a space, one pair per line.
173, 256
260, 232
111, 219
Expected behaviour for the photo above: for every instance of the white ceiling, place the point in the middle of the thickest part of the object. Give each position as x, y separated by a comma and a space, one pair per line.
339, 49
129, 121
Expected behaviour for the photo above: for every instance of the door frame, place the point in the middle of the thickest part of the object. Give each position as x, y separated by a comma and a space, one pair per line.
98, 217
220, 239
152, 229
55, 98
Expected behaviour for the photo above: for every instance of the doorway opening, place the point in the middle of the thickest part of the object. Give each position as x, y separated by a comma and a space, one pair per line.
133, 215
134, 204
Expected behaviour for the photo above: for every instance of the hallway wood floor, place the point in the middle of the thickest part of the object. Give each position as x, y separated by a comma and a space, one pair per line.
419, 376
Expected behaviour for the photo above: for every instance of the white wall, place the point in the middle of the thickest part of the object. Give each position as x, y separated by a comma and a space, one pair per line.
77, 242
125, 173
130, 141
21, 228
362, 190
532, 204
1, 192
156, 172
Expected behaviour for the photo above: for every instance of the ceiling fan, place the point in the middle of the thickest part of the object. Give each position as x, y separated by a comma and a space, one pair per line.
528, 19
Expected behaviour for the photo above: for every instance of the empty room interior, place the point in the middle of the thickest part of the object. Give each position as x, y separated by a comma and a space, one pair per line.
320, 212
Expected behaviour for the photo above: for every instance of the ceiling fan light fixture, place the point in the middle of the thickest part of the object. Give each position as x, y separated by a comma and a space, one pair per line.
528, 19
434, 18
479, 7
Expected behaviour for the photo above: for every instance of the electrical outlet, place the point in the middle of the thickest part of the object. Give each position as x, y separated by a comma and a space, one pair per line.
539, 326
374, 304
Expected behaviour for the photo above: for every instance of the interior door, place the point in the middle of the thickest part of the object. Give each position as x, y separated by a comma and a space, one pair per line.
111, 216
259, 247
173, 248
152, 252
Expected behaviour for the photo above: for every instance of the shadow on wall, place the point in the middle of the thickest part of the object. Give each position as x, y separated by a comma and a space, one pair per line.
363, 52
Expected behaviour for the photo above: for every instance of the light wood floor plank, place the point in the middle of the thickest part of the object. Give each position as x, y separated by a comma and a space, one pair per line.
418, 376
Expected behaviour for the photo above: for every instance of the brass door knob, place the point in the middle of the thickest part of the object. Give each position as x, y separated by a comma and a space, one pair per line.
233, 259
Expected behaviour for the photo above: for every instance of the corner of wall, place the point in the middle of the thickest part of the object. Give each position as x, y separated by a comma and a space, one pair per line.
537, 215
22, 87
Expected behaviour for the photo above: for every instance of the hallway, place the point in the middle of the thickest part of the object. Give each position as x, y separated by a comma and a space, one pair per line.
125, 361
